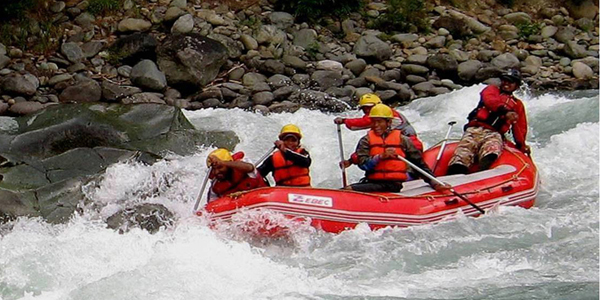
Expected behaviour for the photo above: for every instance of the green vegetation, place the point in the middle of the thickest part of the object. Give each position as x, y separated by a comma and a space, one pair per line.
402, 16
384, 37
116, 55
252, 22
27, 25
312, 50
527, 29
101, 7
314, 10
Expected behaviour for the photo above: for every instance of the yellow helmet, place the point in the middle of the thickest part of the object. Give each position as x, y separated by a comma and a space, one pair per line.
381, 111
221, 153
290, 129
369, 99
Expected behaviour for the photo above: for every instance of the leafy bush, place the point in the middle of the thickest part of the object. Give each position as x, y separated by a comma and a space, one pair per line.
526, 29
100, 7
27, 25
313, 10
402, 16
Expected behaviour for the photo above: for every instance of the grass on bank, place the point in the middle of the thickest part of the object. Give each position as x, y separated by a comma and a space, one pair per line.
27, 25
102, 7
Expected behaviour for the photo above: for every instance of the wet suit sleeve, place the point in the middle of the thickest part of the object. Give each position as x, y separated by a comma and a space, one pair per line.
299, 159
365, 161
266, 167
358, 123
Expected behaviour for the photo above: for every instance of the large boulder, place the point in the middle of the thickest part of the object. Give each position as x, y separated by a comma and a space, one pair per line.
191, 60
18, 84
457, 27
444, 64
146, 75
133, 48
85, 90
372, 48
583, 9
468, 69
47, 157
58, 129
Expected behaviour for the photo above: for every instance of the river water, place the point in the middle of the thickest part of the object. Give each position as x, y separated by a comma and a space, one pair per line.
547, 252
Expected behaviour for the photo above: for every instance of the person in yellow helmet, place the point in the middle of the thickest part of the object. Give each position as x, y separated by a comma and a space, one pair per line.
365, 103
231, 173
290, 162
378, 153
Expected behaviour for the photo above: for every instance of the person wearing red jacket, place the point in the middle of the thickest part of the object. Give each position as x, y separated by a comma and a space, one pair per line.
400, 122
498, 112
230, 174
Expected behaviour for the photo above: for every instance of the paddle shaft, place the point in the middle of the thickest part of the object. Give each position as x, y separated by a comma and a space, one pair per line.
339, 133
264, 157
202, 188
437, 159
432, 178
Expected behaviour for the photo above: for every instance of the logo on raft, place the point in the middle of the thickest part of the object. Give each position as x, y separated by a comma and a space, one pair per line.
310, 200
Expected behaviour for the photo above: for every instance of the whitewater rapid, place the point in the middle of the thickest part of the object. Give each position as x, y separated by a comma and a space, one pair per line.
549, 251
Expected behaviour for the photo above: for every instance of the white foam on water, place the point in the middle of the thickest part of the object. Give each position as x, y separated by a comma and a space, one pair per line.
525, 251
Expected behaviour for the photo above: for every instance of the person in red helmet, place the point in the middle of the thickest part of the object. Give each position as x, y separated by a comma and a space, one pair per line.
498, 112
290, 162
230, 174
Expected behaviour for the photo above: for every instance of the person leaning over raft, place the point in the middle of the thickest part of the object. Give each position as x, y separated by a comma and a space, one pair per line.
290, 162
365, 103
378, 153
498, 112
231, 174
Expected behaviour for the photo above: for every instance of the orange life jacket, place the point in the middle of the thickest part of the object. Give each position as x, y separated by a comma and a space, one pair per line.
392, 169
239, 181
288, 174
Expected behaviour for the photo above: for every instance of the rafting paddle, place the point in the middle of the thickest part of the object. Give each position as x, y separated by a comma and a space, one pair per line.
202, 189
439, 182
437, 159
264, 157
339, 133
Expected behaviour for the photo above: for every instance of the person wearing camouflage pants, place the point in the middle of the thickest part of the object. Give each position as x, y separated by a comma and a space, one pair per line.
497, 113
469, 146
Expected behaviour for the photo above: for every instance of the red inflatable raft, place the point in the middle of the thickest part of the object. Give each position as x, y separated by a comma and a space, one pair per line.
511, 180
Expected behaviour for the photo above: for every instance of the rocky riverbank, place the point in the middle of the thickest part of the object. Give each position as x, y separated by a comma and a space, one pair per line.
192, 54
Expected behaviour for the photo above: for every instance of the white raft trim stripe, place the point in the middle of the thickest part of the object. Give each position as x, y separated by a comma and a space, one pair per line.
385, 218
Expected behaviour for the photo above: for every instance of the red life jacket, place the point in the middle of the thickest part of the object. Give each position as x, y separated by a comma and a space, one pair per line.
392, 169
286, 173
239, 181
483, 116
